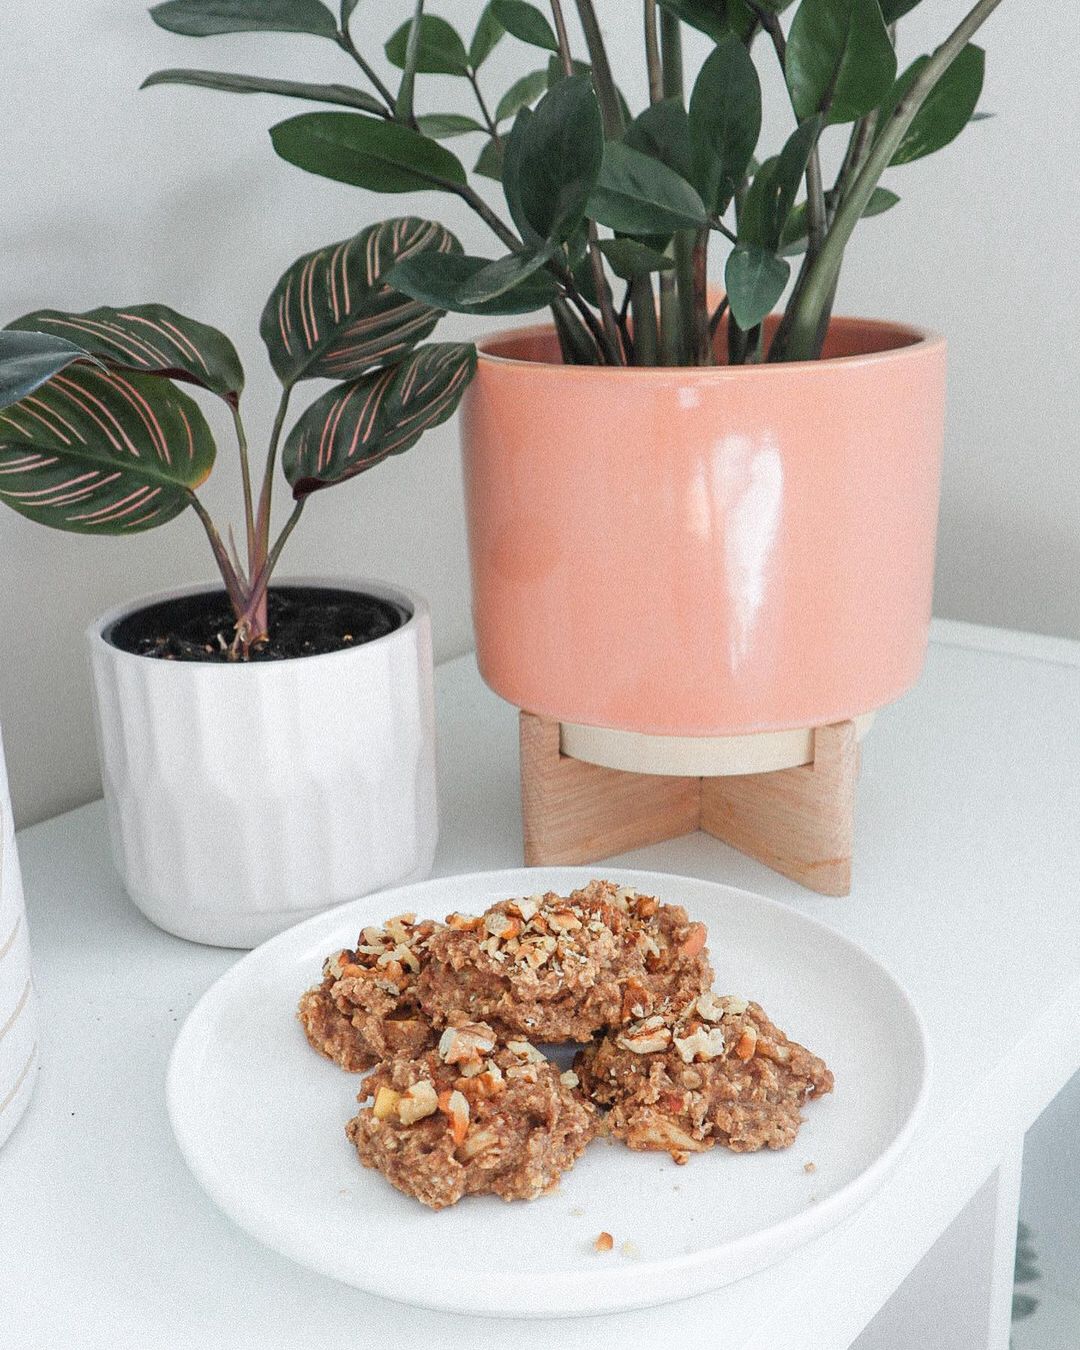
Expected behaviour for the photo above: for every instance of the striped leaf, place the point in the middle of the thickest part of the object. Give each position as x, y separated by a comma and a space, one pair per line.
151, 340
353, 428
331, 316
103, 452
27, 360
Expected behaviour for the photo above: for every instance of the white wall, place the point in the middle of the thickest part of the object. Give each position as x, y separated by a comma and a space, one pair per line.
114, 196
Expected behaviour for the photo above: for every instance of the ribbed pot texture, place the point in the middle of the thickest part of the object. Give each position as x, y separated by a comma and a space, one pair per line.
18, 1012
243, 797
705, 551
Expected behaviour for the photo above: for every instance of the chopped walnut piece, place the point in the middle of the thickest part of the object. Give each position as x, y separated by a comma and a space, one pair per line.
417, 1102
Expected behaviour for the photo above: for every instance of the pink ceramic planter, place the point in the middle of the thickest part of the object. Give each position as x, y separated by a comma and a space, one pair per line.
707, 551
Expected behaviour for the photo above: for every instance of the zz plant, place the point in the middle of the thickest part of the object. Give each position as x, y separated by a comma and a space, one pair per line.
610, 217
97, 437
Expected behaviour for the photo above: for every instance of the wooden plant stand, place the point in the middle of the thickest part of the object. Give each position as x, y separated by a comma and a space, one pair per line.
797, 821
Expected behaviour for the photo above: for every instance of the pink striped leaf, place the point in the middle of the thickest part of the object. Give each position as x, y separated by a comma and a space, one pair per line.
103, 452
331, 316
356, 426
151, 340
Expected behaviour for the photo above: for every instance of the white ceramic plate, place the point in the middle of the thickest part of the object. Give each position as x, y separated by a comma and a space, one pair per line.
260, 1119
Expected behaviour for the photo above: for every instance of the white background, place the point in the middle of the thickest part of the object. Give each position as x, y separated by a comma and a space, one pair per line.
113, 196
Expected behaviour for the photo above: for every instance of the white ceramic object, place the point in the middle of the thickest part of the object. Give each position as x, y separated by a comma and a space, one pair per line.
242, 798
18, 1019
260, 1118
694, 756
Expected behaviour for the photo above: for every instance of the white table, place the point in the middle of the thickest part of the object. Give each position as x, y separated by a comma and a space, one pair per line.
966, 886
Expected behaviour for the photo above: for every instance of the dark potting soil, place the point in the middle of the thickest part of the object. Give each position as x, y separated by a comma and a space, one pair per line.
303, 621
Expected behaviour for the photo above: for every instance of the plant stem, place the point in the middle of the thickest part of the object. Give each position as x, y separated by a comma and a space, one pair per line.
652, 54
233, 584
805, 336
610, 345
671, 55
245, 475
702, 348
251, 624
646, 333
717, 314
602, 79
346, 43
403, 105
489, 121
262, 520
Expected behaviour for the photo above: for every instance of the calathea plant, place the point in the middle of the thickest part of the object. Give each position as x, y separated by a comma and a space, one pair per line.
601, 201
97, 437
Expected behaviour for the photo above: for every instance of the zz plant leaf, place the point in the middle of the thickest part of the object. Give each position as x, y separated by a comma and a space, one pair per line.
352, 428
755, 280
206, 18
639, 195
553, 159
442, 51
149, 339
332, 315
526, 23
103, 452
725, 120
367, 152
948, 109
438, 279
840, 59
342, 94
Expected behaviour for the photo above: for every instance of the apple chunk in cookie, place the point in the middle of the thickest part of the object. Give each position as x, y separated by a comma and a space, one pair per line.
366, 1009
717, 1071
474, 1115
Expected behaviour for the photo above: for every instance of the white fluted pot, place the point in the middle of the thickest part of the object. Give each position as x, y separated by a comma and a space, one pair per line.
18, 1014
242, 798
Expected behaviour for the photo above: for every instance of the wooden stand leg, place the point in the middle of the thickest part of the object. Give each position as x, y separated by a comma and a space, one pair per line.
575, 812
800, 822
797, 821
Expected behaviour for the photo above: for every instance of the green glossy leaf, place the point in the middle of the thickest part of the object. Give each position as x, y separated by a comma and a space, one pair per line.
444, 126
755, 280
552, 161
521, 93
840, 59
630, 259
366, 152
638, 195
149, 339
357, 425
794, 236
725, 120
332, 315
891, 10
485, 39
772, 193
206, 18
342, 94
489, 162
663, 131
103, 452
707, 16
347, 8
526, 23
556, 74
948, 108
27, 360
442, 51
505, 274
437, 278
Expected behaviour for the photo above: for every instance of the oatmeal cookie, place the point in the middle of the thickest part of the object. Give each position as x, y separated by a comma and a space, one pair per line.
557, 968
365, 1009
474, 1115
717, 1071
